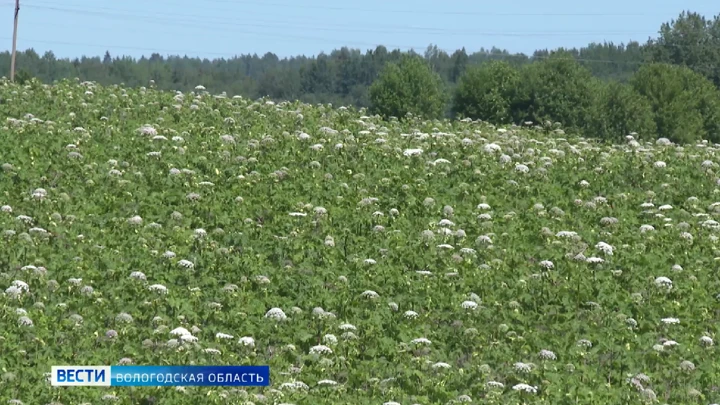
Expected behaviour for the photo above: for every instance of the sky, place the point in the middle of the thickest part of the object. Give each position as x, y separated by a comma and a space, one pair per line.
224, 28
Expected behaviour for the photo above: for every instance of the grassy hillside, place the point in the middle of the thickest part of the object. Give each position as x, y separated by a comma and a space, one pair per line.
366, 262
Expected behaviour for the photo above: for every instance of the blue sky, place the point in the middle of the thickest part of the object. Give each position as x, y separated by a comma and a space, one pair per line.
223, 28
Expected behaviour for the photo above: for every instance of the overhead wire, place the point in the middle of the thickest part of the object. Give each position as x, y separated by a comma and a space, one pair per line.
304, 5
190, 20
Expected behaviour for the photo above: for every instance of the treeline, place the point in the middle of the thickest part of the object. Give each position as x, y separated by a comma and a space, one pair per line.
341, 77
605, 90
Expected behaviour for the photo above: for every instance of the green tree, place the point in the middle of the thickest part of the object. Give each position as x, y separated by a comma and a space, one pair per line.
618, 111
486, 92
409, 86
690, 40
459, 60
22, 77
557, 88
685, 104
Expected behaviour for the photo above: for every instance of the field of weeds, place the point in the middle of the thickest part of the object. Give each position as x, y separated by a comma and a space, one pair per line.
367, 262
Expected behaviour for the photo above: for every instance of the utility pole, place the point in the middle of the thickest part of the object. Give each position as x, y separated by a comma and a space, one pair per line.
14, 45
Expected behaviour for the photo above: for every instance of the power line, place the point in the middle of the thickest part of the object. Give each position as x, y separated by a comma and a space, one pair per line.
304, 5
440, 12
156, 18
175, 23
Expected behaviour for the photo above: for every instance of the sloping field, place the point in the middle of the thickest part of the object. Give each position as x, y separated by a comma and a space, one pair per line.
366, 262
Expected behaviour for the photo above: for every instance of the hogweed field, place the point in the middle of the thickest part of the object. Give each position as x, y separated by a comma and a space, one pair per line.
367, 262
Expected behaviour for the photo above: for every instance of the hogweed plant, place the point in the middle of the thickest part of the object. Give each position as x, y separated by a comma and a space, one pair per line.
365, 261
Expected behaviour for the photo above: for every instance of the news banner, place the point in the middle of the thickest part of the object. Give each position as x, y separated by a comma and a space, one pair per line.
160, 376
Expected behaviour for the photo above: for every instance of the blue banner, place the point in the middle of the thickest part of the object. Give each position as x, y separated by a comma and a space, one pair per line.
161, 376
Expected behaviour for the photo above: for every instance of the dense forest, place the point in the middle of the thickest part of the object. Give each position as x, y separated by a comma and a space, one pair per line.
690, 45
341, 77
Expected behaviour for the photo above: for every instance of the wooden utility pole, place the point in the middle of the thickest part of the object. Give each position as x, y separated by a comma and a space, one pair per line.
14, 45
